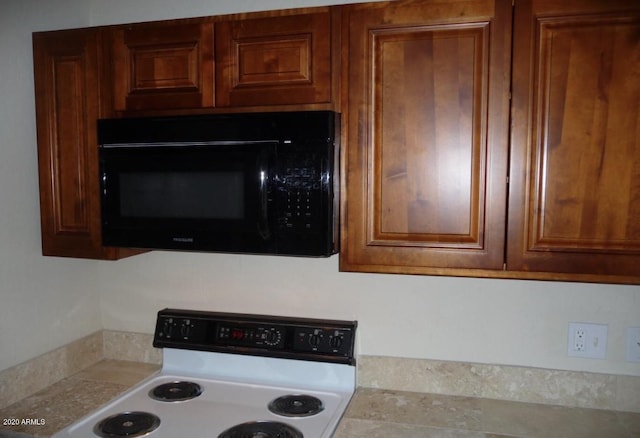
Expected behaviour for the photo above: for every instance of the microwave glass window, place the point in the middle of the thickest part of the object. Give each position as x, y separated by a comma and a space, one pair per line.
197, 195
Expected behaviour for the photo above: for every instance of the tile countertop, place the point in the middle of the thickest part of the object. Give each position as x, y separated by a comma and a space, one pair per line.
378, 413
373, 413
64, 402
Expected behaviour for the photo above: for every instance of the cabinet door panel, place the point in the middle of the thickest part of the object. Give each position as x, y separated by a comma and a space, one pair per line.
575, 206
163, 66
70, 217
67, 87
427, 177
274, 60
66, 81
426, 136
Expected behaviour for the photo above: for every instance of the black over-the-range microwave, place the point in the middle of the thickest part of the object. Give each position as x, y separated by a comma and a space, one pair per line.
262, 183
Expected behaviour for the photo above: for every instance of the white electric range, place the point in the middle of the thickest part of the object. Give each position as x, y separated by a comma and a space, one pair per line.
235, 375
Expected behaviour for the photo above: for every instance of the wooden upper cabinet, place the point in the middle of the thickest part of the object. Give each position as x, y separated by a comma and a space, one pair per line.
256, 59
164, 65
574, 203
275, 60
426, 136
68, 90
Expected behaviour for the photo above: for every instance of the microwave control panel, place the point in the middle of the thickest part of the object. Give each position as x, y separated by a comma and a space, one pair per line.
306, 339
300, 193
303, 196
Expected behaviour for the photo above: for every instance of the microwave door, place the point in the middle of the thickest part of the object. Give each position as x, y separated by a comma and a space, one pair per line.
205, 197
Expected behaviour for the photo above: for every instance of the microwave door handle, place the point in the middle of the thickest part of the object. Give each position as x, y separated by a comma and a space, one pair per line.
263, 222
104, 183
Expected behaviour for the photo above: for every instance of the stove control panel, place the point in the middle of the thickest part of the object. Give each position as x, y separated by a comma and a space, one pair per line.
261, 335
251, 335
322, 339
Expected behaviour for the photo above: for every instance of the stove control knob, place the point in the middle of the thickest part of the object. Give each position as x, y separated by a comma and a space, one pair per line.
167, 328
314, 340
336, 342
272, 336
185, 329
269, 337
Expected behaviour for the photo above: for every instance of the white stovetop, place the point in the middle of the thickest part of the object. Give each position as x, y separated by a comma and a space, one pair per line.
238, 390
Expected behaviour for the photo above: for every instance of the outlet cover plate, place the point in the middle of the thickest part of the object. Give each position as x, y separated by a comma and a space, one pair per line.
587, 340
633, 344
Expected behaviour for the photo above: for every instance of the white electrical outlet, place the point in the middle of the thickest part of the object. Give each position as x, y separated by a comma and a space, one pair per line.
633, 344
579, 339
587, 340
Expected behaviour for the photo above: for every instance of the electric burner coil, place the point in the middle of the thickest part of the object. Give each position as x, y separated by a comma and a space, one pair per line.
175, 391
127, 424
261, 429
296, 405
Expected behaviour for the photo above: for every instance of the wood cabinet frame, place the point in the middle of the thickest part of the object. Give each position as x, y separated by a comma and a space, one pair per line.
574, 202
551, 233
163, 65
70, 95
504, 133
428, 227
277, 60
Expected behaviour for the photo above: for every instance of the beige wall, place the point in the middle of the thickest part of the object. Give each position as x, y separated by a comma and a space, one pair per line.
47, 302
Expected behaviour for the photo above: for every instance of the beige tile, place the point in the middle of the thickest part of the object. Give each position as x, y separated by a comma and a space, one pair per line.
537, 420
351, 428
407, 374
59, 405
67, 400
628, 394
27, 378
493, 435
117, 371
416, 408
531, 385
630, 421
378, 410
83, 353
136, 347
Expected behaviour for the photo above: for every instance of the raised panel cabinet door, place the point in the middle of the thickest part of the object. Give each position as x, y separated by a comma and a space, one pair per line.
574, 205
278, 60
426, 141
165, 65
67, 90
